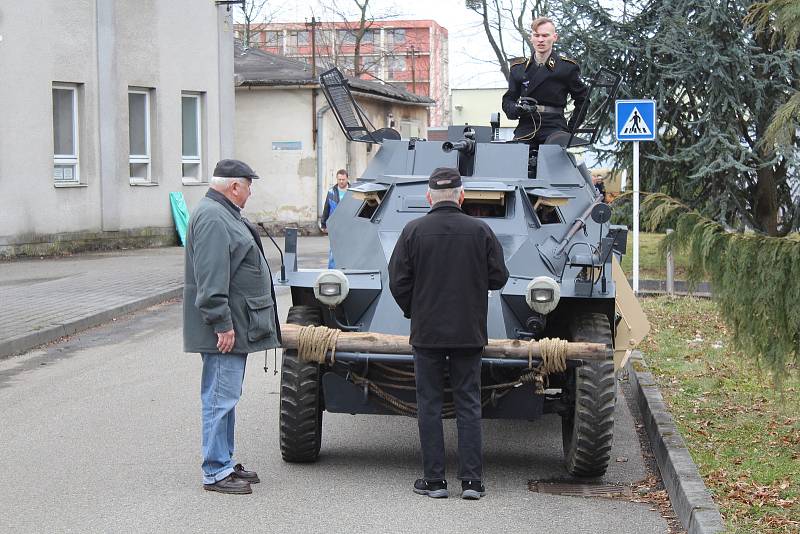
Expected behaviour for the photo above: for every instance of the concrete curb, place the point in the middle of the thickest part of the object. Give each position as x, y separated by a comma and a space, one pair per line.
690, 499
24, 343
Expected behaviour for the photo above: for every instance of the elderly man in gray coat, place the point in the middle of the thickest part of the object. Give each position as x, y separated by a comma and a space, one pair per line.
228, 312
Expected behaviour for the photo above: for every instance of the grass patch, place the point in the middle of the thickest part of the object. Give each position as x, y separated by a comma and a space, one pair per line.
652, 264
743, 435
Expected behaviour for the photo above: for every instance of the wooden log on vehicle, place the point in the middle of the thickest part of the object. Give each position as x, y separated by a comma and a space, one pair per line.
377, 343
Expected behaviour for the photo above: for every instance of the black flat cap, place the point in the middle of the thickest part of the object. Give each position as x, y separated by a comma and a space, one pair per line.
444, 178
233, 168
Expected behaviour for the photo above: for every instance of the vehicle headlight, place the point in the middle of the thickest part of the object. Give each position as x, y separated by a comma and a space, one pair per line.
331, 287
542, 294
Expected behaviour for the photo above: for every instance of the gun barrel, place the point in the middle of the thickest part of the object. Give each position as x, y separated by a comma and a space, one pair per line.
448, 146
462, 146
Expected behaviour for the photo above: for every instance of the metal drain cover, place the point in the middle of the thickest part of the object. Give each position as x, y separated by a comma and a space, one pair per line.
580, 490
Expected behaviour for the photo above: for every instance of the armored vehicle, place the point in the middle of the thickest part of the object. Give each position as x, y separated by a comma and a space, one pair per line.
565, 281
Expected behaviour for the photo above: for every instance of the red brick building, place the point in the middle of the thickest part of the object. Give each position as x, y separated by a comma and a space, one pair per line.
410, 54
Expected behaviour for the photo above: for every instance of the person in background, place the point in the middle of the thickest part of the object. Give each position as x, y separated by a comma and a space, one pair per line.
334, 196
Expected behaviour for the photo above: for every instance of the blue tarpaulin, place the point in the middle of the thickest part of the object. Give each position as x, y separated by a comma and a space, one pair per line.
180, 213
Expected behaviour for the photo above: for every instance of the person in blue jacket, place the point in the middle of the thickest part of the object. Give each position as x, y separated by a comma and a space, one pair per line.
335, 195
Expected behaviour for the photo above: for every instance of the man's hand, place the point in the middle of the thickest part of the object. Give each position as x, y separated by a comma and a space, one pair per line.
526, 104
225, 341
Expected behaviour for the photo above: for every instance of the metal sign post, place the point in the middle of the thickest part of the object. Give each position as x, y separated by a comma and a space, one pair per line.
635, 120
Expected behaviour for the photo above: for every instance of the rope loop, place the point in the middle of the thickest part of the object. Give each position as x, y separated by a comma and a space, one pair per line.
314, 342
554, 355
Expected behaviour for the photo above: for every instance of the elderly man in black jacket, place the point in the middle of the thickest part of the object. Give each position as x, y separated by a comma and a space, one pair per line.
440, 272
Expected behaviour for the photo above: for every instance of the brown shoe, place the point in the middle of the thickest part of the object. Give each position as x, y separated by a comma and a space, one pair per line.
250, 476
230, 484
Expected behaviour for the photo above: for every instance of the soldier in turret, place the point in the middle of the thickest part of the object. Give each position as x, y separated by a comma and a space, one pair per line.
547, 78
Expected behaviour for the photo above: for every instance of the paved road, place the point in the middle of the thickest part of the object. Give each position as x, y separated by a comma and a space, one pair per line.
101, 434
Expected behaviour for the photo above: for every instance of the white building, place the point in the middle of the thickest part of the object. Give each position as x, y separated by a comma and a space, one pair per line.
475, 107
276, 112
106, 107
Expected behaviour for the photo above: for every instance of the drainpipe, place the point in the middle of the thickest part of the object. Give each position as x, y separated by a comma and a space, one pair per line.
320, 167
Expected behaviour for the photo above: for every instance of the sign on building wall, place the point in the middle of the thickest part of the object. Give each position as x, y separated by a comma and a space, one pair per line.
287, 145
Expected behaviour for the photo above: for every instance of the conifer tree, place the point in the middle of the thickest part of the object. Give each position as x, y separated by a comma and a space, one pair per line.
717, 82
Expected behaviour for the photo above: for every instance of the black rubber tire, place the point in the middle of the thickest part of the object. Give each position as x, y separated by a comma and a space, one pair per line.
300, 418
588, 430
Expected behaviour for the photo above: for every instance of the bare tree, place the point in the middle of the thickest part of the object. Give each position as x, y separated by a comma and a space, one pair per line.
250, 12
505, 25
358, 19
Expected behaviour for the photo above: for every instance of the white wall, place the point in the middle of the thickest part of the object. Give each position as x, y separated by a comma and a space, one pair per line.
475, 107
169, 46
288, 191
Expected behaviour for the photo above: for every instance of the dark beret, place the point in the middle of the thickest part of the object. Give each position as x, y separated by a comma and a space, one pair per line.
444, 178
233, 168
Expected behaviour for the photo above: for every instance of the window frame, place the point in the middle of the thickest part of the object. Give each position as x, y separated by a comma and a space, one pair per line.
394, 61
278, 39
293, 40
393, 33
346, 37
74, 158
141, 159
193, 160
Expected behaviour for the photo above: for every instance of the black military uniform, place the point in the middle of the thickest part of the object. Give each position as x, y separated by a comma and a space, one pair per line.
440, 271
549, 84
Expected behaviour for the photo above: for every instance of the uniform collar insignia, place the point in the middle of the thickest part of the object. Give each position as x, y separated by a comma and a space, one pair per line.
551, 63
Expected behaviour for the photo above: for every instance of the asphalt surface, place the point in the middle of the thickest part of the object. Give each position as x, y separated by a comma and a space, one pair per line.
101, 433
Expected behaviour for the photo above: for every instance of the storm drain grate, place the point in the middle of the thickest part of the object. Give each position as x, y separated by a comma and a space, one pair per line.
580, 490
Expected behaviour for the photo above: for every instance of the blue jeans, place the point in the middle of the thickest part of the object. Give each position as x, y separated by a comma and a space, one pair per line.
220, 389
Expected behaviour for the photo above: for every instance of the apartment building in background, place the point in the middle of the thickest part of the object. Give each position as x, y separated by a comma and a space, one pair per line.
409, 54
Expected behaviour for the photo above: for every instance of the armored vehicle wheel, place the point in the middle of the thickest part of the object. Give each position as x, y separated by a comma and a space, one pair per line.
300, 417
588, 430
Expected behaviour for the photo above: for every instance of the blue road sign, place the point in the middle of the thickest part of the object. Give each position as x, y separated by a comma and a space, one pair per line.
635, 120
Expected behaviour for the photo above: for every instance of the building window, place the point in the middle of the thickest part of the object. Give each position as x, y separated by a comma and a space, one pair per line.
347, 63
371, 64
274, 39
396, 64
65, 134
395, 36
369, 37
192, 136
297, 38
346, 37
255, 39
139, 134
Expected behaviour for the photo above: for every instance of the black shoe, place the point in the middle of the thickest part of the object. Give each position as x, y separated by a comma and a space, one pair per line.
432, 488
250, 476
472, 489
230, 484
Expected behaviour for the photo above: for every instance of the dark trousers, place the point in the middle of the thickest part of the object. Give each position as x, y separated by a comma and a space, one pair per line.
544, 125
464, 366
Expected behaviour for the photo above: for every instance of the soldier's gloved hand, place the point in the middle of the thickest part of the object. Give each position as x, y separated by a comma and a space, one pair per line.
522, 108
526, 104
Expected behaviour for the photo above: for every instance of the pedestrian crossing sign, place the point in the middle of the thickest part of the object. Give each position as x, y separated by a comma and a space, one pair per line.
635, 120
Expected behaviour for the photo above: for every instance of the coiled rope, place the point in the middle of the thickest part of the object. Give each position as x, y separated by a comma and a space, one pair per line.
314, 342
553, 353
